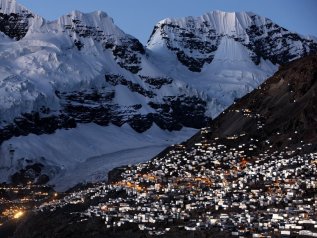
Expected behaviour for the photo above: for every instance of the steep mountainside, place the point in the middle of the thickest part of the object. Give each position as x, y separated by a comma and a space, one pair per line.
281, 113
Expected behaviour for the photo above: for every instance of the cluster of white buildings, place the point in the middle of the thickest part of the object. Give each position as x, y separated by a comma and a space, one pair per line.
210, 186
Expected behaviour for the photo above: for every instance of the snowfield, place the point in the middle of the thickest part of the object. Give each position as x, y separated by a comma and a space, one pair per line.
86, 153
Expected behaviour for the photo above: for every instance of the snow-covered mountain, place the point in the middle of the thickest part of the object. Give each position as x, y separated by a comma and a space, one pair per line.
224, 54
83, 69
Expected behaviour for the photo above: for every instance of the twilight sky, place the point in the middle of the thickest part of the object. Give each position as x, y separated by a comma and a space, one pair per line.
138, 17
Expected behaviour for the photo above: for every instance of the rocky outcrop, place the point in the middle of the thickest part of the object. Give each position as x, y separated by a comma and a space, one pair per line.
127, 54
190, 40
126, 50
36, 123
275, 43
15, 20
15, 25
156, 82
115, 80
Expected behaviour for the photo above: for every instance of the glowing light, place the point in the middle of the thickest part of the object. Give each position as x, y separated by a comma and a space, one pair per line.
18, 215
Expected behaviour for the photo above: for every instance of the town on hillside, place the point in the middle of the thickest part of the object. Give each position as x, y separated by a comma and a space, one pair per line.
216, 184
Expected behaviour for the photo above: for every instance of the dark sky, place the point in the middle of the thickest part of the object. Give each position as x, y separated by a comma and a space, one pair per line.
138, 17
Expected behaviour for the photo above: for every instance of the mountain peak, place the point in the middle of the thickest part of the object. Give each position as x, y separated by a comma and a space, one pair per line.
229, 23
195, 39
11, 6
99, 20
100, 14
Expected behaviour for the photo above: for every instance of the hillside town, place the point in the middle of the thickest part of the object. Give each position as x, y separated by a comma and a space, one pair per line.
217, 184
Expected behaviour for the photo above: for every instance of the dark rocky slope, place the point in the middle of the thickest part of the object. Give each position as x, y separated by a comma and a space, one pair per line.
282, 111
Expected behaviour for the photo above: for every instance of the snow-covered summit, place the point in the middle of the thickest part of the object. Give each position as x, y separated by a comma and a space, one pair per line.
195, 39
222, 22
98, 20
224, 54
11, 6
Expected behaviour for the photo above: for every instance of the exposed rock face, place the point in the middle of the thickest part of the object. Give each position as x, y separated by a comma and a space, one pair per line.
15, 20
157, 82
15, 25
115, 80
36, 123
189, 40
100, 106
127, 55
126, 49
275, 43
